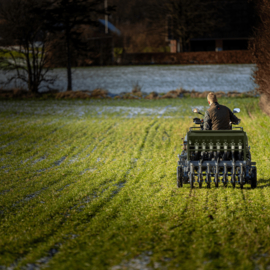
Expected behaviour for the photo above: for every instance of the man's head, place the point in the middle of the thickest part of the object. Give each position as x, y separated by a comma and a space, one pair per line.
211, 98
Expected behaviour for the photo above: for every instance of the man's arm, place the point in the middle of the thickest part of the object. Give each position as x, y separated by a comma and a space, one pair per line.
233, 118
207, 121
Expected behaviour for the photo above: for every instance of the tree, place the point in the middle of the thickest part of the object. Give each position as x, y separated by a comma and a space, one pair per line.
184, 19
65, 19
24, 53
261, 52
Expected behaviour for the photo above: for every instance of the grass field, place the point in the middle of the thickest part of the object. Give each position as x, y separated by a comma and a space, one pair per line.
92, 185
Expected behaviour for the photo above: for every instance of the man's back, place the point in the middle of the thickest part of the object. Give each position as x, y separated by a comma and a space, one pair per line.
218, 117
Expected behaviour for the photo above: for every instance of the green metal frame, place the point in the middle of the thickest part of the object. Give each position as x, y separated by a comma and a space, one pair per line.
214, 136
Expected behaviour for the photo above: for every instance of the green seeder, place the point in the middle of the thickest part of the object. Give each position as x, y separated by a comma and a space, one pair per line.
216, 156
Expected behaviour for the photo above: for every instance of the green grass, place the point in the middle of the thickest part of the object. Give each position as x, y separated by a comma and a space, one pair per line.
92, 185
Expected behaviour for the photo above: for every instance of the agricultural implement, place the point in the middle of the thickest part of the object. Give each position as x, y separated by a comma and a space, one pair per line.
216, 156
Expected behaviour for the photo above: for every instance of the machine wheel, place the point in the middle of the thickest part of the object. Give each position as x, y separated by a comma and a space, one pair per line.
233, 181
179, 177
254, 178
192, 181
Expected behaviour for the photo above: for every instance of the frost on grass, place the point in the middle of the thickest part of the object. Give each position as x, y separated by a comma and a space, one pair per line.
42, 262
4, 192
39, 159
75, 158
88, 170
60, 189
60, 161
4, 167
140, 262
29, 197
78, 109
157, 157
163, 111
8, 144
119, 187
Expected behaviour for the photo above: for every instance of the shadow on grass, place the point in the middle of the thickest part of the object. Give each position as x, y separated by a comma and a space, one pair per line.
262, 183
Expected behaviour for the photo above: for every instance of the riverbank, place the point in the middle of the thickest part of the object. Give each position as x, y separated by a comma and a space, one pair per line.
188, 58
136, 93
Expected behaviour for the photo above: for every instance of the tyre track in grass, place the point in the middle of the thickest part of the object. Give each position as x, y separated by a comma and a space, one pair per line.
94, 214
30, 154
45, 139
233, 230
94, 228
255, 247
55, 164
183, 208
99, 206
55, 230
197, 237
15, 180
188, 231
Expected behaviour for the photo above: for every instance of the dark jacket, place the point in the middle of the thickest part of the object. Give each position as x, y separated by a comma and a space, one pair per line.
218, 117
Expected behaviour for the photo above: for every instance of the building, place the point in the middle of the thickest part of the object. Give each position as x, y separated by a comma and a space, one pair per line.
238, 18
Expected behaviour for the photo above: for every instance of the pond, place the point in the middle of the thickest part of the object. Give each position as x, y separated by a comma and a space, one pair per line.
159, 78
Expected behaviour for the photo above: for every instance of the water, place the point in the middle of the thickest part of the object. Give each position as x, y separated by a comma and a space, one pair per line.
236, 77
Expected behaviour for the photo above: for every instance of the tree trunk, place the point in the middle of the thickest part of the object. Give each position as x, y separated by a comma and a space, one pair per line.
69, 87
32, 86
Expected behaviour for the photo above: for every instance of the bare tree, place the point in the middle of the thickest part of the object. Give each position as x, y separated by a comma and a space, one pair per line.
23, 54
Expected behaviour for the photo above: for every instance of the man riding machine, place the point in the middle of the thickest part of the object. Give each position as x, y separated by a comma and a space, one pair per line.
216, 152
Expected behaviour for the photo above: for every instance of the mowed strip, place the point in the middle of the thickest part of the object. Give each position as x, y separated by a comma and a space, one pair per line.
114, 198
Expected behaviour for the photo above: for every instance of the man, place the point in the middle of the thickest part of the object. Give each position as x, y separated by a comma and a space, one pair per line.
218, 117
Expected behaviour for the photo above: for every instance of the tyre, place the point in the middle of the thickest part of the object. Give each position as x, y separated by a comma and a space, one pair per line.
179, 177
191, 181
254, 178
233, 180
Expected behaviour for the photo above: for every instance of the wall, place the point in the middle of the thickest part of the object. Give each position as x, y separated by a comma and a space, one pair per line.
223, 57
